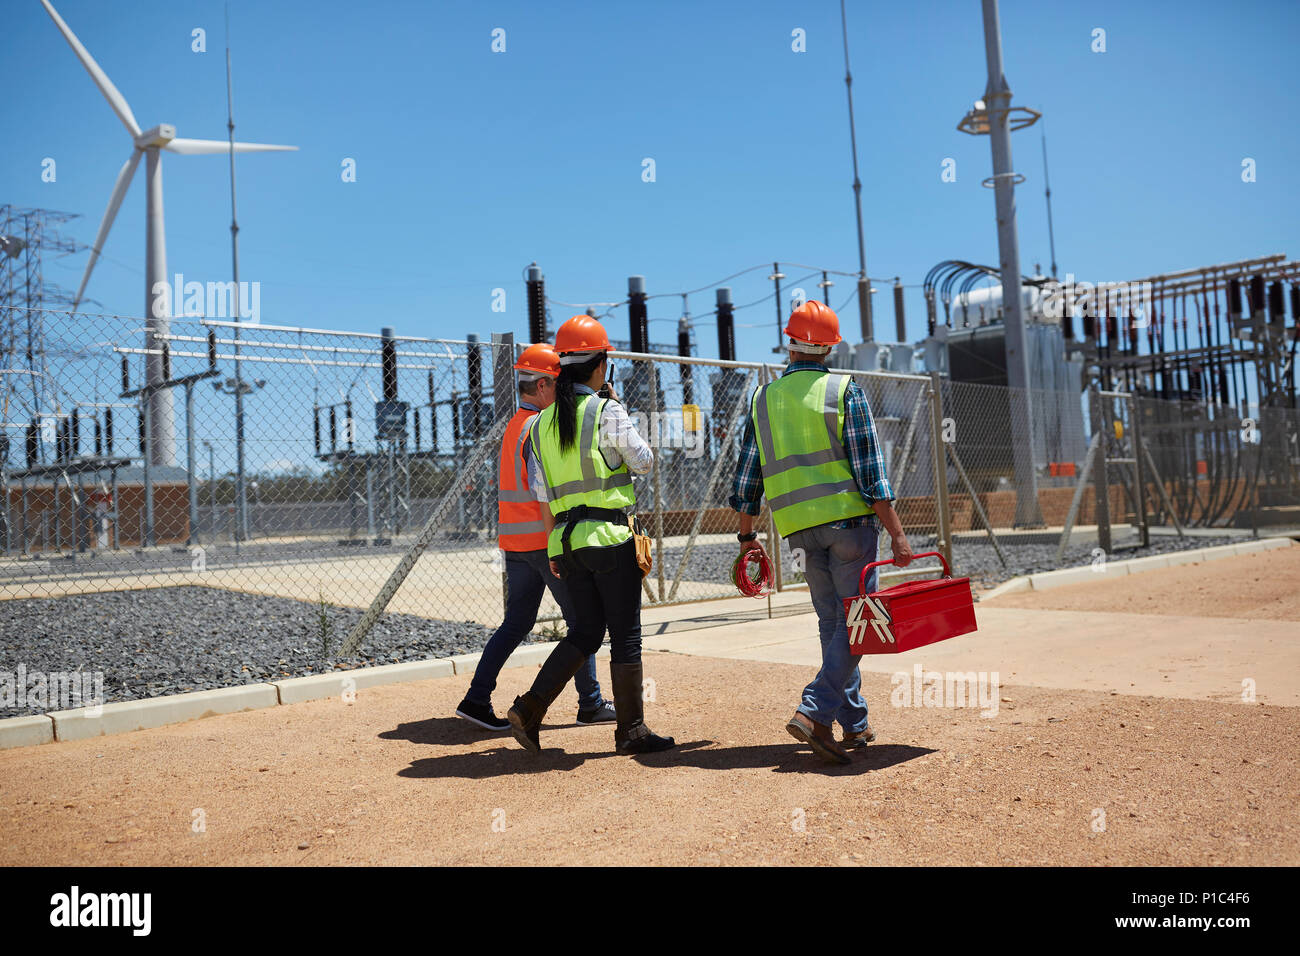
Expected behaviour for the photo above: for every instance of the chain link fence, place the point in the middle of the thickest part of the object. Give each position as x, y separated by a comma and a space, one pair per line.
302, 464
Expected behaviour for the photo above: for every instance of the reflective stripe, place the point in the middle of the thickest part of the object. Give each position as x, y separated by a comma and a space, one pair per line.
589, 481
537, 453
823, 457
811, 492
831, 414
590, 416
831, 410
583, 485
518, 496
519, 527
521, 474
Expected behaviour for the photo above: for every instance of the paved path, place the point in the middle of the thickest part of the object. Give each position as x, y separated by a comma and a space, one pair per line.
1189, 657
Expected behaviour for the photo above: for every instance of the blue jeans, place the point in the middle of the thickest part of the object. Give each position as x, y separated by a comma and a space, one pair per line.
528, 575
833, 559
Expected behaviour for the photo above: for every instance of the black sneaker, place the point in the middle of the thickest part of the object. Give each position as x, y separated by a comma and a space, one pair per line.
604, 713
481, 716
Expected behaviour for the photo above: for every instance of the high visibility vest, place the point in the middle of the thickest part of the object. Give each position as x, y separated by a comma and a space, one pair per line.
799, 421
579, 476
519, 516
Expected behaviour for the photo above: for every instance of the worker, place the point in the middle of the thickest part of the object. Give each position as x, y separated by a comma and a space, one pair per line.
810, 446
583, 450
522, 538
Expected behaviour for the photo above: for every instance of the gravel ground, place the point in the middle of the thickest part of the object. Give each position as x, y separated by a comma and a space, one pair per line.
173, 640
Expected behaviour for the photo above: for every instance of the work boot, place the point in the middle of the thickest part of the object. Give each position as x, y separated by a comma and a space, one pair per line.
820, 737
857, 739
632, 735
530, 707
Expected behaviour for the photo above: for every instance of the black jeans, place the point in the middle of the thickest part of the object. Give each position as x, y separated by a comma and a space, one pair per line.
605, 588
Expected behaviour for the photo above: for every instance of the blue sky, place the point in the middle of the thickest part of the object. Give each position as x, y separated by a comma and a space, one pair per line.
471, 164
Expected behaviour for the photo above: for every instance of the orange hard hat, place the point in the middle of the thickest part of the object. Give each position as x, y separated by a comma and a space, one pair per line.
814, 323
539, 359
582, 333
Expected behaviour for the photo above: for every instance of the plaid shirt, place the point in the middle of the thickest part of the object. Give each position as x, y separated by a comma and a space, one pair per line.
860, 442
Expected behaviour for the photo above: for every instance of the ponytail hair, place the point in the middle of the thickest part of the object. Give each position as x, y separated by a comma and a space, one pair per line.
566, 398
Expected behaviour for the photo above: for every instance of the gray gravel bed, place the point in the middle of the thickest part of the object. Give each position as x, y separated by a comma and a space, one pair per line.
174, 640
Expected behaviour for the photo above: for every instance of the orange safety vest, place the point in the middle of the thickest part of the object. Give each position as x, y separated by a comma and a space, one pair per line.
519, 516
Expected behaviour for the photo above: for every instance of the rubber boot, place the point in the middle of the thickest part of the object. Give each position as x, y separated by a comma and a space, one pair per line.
530, 707
632, 735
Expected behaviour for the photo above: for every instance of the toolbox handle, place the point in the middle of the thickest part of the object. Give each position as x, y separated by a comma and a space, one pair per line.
862, 578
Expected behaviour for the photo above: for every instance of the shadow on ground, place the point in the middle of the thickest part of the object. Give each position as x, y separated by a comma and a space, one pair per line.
510, 759
454, 730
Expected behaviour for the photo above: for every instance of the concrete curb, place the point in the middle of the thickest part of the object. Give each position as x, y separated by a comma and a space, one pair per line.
1007, 587
127, 715
295, 690
26, 731
1047, 580
81, 722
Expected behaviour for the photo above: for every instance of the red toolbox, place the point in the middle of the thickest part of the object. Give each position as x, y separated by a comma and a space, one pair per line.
909, 615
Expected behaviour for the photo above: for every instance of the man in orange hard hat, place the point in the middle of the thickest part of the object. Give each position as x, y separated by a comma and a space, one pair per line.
522, 537
810, 447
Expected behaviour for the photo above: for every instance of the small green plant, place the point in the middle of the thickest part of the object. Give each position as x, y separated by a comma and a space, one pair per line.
323, 622
553, 631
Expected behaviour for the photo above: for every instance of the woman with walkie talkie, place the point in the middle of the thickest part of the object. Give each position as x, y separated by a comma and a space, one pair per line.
582, 452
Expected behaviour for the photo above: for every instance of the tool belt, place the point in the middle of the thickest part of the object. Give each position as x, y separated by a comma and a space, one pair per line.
578, 513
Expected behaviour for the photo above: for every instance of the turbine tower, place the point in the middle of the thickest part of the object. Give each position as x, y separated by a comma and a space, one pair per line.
148, 144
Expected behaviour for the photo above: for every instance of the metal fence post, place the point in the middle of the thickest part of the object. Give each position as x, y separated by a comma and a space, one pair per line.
1101, 480
942, 510
503, 406
1135, 436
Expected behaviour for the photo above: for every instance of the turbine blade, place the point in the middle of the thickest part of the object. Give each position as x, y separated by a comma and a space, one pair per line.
115, 99
198, 147
114, 203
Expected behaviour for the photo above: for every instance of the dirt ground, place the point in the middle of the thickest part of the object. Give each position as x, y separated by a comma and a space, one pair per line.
395, 779
1254, 586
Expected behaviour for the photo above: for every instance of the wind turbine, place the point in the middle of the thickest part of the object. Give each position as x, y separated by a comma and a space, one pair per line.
148, 144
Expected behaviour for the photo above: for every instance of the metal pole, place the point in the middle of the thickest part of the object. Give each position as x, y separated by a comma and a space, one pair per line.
189, 464
1077, 498
241, 493
997, 98
943, 513
900, 320
657, 478
1135, 427
147, 539
776, 277
1101, 482
212, 490
1051, 236
117, 514
864, 293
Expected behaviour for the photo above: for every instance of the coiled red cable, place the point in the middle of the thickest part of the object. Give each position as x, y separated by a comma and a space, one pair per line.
743, 576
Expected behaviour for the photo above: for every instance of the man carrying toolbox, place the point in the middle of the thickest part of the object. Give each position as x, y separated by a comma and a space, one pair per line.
522, 536
810, 446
